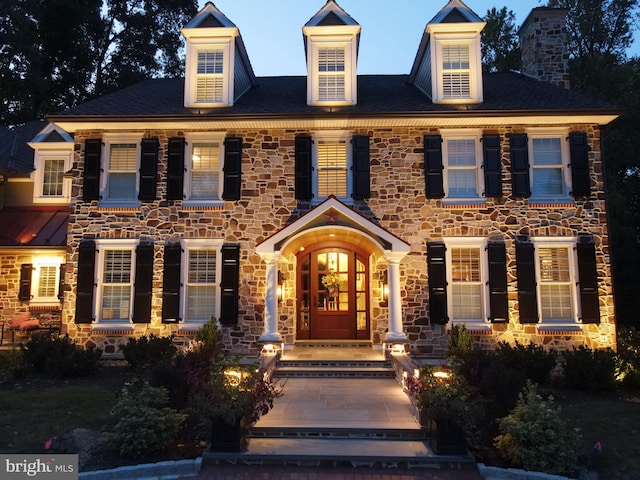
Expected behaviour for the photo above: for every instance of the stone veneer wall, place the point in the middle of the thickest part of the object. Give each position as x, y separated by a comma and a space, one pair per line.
543, 46
10, 285
397, 203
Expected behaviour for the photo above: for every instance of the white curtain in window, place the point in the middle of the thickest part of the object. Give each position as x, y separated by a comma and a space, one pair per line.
210, 76
467, 285
116, 289
205, 171
331, 74
201, 285
555, 284
455, 71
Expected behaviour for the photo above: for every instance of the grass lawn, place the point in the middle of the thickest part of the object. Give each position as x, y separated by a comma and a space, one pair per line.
613, 422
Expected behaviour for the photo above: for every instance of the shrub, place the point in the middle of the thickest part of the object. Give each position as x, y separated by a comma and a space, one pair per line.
143, 352
628, 367
145, 424
590, 370
502, 386
59, 357
533, 360
534, 436
461, 344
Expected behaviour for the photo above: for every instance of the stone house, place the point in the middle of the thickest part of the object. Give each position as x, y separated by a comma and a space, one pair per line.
338, 206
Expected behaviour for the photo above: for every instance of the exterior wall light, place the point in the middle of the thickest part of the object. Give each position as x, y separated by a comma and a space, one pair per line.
280, 289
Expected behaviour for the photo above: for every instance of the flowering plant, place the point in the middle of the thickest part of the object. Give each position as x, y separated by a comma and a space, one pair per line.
331, 281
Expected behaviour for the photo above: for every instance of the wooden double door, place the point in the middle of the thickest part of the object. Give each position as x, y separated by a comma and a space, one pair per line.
333, 294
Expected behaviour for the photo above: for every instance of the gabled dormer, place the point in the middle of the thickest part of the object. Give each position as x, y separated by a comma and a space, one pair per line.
217, 70
331, 40
448, 66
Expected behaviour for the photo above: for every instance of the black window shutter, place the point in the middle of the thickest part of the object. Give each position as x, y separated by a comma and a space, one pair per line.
498, 300
437, 272
526, 271
492, 165
91, 179
520, 184
232, 169
588, 280
433, 167
229, 284
303, 167
85, 281
143, 284
579, 149
175, 168
361, 167
24, 292
148, 169
63, 268
171, 284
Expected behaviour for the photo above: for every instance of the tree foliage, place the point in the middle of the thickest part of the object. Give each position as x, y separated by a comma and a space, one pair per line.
500, 50
57, 53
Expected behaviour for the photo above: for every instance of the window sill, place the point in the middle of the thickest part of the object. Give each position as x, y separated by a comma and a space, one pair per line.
476, 328
203, 205
189, 329
552, 203
118, 207
480, 203
560, 329
115, 329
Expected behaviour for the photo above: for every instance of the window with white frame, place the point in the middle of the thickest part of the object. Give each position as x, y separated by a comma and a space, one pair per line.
120, 166
46, 280
204, 167
210, 76
331, 74
556, 279
332, 162
209, 69
456, 71
467, 279
462, 174
202, 270
115, 286
548, 160
331, 70
50, 184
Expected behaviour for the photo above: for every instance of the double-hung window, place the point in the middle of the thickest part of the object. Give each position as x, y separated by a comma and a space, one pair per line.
331, 74
210, 76
462, 173
202, 280
115, 274
549, 172
50, 184
204, 167
556, 279
332, 167
120, 179
466, 269
456, 71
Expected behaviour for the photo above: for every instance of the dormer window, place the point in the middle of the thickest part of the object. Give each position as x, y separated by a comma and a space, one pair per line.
331, 40
448, 65
217, 69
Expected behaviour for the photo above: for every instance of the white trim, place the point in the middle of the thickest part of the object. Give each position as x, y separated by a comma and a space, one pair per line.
561, 134
39, 262
568, 243
102, 246
189, 244
202, 137
43, 153
109, 139
479, 243
220, 39
463, 134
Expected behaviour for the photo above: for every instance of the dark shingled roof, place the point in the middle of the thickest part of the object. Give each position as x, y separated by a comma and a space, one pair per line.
16, 157
377, 94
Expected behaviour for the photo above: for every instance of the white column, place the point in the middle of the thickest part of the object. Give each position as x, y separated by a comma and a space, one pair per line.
395, 333
270, 333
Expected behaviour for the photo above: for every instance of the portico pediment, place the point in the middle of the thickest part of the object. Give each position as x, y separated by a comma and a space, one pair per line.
333, 219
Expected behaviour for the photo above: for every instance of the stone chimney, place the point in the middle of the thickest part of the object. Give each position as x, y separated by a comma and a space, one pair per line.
543, 43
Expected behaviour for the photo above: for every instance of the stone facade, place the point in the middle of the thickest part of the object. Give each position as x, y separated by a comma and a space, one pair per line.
398, 204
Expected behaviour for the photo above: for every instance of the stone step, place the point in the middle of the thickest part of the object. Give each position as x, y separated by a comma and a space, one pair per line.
338, 433
333, 372
333, 363
342, 451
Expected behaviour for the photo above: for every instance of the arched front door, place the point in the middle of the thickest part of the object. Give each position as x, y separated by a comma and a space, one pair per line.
333, 294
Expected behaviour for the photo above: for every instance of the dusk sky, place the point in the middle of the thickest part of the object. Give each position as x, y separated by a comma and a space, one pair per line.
391, 31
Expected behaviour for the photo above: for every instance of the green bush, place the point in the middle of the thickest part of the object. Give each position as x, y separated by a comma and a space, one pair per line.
144, 352
532, 360
534, 436
59, 357
628, 366
461, 344
590, 370
145, 424
501, 385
